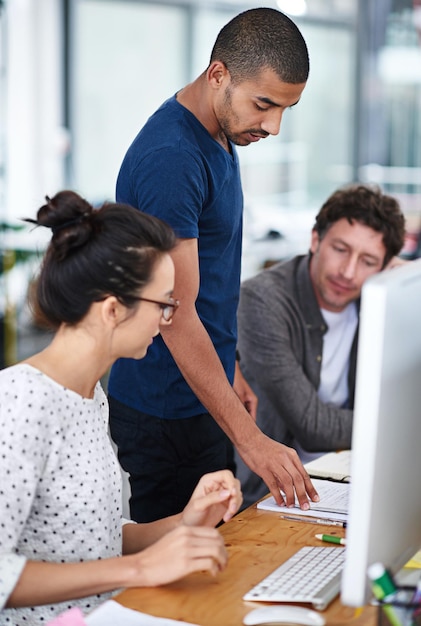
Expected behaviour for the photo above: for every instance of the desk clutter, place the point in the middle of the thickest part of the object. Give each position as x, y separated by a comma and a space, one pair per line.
112, 613
398, 606
402, 609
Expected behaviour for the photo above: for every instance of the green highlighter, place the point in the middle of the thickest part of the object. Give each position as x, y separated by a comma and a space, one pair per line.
383, 586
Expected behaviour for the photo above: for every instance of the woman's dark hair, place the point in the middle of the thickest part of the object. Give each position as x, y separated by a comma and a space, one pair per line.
369, 206
94, 253
259, 39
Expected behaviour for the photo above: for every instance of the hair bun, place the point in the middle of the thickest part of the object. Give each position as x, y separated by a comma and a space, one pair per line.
73, 222
71, 219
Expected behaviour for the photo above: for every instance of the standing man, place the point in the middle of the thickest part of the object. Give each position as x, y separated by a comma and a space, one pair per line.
171, 413
298, 326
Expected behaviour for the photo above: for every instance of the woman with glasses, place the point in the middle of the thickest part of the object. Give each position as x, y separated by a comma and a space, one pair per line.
105, 288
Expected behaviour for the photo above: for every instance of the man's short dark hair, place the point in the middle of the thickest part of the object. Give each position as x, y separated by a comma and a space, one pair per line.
368, 205
260, 39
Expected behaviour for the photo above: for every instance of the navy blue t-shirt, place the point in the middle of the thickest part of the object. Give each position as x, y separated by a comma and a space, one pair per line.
176, 171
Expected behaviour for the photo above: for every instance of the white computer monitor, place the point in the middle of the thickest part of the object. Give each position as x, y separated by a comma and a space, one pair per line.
385, 500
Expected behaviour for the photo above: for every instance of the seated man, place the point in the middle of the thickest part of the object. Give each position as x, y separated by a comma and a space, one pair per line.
298, 325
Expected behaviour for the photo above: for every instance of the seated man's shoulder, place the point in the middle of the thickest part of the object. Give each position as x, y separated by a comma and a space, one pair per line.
278, 275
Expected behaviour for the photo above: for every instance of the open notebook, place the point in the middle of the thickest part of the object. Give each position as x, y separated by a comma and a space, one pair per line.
334, 500
333, 465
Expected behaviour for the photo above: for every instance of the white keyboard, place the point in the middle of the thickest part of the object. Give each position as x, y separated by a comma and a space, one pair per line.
311, 575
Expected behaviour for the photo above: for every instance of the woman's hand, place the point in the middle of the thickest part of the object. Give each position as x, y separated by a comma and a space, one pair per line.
217, 497
180, 552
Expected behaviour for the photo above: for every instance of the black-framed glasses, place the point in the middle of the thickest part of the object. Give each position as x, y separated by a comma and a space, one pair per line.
168, 308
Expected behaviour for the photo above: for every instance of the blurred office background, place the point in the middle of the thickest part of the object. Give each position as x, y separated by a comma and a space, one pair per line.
78, 78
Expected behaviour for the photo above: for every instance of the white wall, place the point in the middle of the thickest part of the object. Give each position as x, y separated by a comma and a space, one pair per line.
36, 142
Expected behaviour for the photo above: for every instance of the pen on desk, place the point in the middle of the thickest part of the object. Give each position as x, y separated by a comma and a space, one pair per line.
332, 539
314, 520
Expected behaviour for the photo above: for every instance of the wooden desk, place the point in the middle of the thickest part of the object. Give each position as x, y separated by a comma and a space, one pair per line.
257, 542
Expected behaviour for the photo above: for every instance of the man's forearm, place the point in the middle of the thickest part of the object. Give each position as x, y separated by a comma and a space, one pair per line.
195, 355
278, 465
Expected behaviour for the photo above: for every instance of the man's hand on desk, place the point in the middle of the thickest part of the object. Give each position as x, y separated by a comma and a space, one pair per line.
281, 469
216, 497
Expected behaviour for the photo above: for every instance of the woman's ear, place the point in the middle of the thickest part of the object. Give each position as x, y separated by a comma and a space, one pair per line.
112, 311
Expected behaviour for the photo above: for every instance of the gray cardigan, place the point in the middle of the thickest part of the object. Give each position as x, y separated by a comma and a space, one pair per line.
280, 341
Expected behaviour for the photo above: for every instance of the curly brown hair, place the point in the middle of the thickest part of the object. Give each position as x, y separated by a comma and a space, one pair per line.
368, 205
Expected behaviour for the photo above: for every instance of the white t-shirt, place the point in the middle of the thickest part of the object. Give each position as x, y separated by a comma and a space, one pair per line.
60, 489
337, 344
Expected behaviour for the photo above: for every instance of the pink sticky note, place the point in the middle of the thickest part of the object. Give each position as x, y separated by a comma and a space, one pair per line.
72, 617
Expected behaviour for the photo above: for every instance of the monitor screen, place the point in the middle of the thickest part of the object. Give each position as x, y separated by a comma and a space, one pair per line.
384, 522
